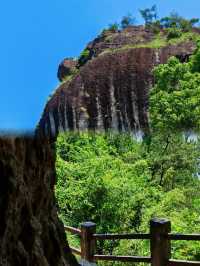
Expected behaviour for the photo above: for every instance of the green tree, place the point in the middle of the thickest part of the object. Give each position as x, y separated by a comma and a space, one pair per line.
175, 98
149, 14
194, 21
172, 160
173, 33
127, 21
113, 27
174, 20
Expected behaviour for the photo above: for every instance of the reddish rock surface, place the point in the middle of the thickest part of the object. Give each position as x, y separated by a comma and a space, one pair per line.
30, 231
133, 35
111, 90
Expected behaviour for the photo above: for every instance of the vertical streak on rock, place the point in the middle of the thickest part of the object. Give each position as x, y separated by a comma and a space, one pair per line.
114, 122
124, 105
56, 119
52, 124
134, 104
122, 121
82, 111
74, 117
99, 118
46, 132
118, 108
157, 56
60, 126
65, 116
83, 122
124, 113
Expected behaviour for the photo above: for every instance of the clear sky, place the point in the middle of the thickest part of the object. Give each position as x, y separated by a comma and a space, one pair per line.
37, 34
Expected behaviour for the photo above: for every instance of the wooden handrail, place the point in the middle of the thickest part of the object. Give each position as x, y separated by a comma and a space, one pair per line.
183, 263
122, 258
121, 236
192, 237
75, 251
73, 230
159, 236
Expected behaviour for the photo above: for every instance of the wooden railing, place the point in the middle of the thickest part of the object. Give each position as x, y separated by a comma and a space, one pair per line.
160, 244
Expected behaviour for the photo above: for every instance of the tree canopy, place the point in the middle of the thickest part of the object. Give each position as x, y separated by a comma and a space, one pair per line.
149, 14
175, 98
153, 22
120, 185
127, 21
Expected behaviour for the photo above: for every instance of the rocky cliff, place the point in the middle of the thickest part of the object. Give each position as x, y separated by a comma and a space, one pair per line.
30, 231
111, 87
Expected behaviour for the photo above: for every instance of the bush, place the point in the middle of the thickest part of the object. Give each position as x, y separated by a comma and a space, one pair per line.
113, 27
84, 57
156, 26
127, 21
176, 21
173, 33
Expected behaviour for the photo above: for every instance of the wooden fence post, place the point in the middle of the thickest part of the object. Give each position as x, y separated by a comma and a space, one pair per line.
88, 243
160, 245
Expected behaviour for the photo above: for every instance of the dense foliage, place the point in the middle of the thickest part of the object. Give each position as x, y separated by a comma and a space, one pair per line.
121, 184
175, 98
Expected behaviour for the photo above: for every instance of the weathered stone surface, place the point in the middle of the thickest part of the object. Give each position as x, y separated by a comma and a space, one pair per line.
66, 68
110, 92
133, 35
30, 231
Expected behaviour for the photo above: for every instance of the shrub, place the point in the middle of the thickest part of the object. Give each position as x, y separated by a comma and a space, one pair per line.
127, 21
113, 27
149, 15
194, 21
84, 57
173, 33
156, 26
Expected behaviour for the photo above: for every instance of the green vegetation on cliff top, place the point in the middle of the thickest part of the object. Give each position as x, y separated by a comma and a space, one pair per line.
160, 40
171, 30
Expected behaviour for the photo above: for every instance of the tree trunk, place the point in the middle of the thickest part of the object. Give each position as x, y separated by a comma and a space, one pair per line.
30, 231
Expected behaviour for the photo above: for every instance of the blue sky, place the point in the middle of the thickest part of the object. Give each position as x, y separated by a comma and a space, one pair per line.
37, 34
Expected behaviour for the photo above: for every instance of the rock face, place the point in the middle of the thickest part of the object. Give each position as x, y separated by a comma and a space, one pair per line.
111, 90
30, 232
66, 68
133, 35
